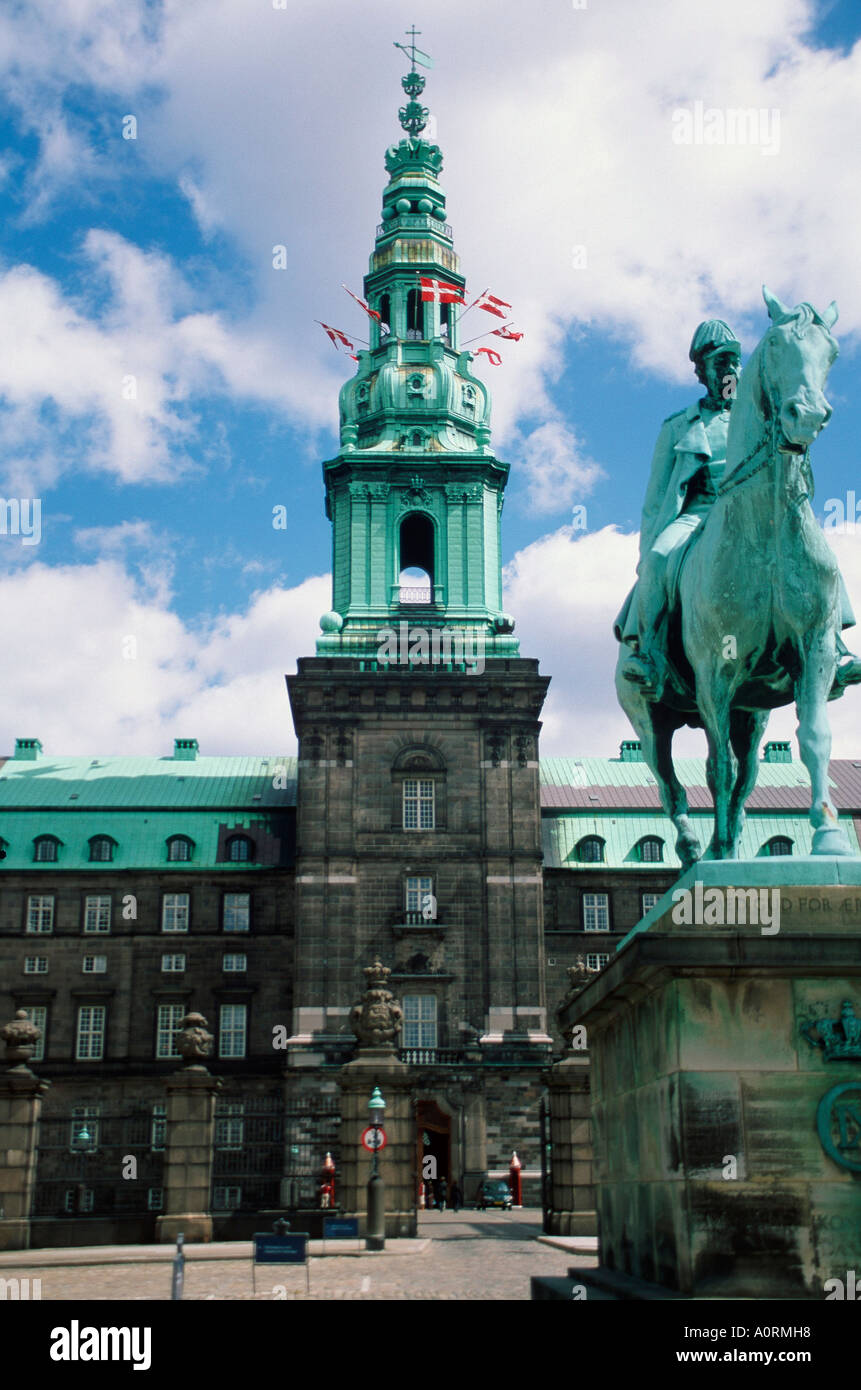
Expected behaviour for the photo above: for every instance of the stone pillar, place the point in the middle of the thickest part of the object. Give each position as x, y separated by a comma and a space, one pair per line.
375, 1020
189, 1140
571, 1195
20, 1107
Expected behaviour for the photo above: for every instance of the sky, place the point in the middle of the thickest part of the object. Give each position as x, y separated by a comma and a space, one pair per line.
163, 386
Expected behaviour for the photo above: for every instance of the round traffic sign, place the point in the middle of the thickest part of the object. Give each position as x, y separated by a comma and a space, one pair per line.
374, 1138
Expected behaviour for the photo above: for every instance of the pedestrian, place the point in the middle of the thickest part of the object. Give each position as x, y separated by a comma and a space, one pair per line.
443, 1193
455, 1197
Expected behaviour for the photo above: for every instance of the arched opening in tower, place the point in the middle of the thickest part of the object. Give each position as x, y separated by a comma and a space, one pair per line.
416, 559
415, 315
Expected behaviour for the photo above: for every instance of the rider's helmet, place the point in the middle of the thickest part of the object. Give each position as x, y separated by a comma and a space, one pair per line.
713, 335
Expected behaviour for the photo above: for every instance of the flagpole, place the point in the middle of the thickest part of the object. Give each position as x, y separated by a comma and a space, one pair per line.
486, 334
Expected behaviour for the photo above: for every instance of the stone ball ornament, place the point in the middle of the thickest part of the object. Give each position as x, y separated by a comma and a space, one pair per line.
403, 205
504, 623
331, 622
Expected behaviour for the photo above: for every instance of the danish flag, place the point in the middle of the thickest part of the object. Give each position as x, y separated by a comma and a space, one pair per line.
440, 291
492, 357
336, 336
492, 304
506, 333
371, 313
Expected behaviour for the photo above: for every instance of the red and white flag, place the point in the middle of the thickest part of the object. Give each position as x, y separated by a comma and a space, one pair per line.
440, 291
337, 338
492, 357
507, 333
492, 304
371, 313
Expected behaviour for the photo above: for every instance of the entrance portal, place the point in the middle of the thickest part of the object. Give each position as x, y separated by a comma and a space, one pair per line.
433, 1149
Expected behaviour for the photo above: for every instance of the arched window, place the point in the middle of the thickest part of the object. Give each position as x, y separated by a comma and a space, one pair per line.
416, 558
385, 312
102, 849
778, 844
415, 315
46, 849
418, 790
240, 849
179, 849
590, 850
651, 850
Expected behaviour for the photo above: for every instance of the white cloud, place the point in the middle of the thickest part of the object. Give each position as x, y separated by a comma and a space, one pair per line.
67, 629
551, 460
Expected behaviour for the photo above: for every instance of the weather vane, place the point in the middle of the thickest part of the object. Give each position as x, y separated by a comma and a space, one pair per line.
414, 116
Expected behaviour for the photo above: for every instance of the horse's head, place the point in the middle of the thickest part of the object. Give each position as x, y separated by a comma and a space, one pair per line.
798, 352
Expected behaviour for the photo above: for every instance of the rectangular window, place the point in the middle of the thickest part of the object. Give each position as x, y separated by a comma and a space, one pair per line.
420, 1028
168, 1021
95, 965
237, 911
36, 965
84, 1128
226, 1198
155, 1198
596, 960
234, 964
38, 1014
90, 1045
174, 912
420, 899
230, 1125
79, 1199
40, 913
596, 912
418, 804
231, 1030
158, 1129
97, 912
172, 965
650, 900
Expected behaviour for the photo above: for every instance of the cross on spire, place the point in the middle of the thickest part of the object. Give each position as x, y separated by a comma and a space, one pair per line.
415, 55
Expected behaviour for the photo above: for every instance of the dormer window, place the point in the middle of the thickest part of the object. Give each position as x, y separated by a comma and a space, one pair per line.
651, 850
590, 850
240, 849
179, 849
102, 849
46, 849
778, 845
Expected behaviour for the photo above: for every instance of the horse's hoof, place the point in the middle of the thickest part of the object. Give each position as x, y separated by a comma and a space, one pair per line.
829, 840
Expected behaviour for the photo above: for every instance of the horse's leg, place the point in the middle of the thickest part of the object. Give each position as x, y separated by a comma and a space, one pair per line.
746, 728
655, 729
814, 740
714, 707
674, 796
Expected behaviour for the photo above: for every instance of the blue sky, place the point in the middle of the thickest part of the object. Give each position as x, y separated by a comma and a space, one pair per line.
257, 127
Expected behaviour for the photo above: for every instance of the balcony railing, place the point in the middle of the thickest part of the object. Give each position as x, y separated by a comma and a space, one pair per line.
432, 1056
421, 220
415, 596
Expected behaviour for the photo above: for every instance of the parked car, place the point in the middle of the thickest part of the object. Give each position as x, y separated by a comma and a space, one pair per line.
494, 1192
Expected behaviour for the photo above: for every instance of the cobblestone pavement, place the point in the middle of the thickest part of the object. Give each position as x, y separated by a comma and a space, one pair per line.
472, 1255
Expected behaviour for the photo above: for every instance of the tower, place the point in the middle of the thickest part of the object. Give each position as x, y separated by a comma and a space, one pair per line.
418, 818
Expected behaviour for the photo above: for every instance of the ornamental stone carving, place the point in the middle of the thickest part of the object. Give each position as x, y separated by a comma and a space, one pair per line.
579, 975
377, 1018
194, 1041
20, 1037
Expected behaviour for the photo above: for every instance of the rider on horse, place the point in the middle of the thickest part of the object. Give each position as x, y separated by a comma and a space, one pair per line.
687, 467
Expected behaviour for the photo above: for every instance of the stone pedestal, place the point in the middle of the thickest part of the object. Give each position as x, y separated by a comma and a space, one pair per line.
20, 1107
570, 1199
727, 1137
188, 1155
379, 1066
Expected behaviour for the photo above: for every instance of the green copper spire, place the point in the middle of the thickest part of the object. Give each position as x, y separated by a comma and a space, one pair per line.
415, 491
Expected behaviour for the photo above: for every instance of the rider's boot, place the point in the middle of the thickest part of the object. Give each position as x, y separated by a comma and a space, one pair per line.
848, 671
642, 668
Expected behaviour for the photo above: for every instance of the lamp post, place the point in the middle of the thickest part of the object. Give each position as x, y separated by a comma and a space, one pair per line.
84, 1144
375, 1232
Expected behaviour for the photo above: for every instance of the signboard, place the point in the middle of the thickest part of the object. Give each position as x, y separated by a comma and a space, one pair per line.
374, 1138
340, 1228
281, 1250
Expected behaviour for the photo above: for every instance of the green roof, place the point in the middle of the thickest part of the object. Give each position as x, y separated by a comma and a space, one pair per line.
615, 772
132, 783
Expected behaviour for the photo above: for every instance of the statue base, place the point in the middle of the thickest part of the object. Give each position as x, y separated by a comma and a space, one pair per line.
727, 1139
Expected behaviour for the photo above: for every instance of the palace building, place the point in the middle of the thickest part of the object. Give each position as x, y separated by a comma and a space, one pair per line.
418, 825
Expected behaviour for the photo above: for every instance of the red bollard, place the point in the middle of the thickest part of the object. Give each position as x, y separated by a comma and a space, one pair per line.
514, 1181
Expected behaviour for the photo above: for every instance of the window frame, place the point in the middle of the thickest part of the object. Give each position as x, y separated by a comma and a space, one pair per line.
100, 1034
94, 968
420, 1023
234, 969
41, 898
41, 1021
175, 930
107, 840
39, 841
97, 898
236, 839
780, 839
39, 965
601, 957
587, 907
588, 840
225, 1032
651, 840
185, 840
643, 896
165, 1029
224, 911
173, 970
421, 800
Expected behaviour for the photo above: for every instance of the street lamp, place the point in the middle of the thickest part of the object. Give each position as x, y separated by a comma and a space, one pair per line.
375, 1233
84, 1144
